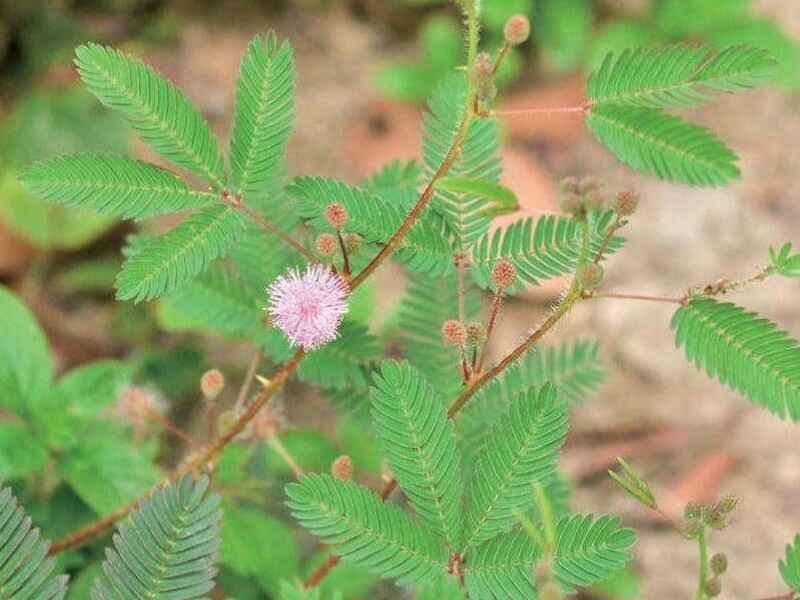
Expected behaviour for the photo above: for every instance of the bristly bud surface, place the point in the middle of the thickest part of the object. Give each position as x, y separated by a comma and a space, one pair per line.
336, 215
713, 587
504, 273
212, 383
352, 243
590, 276
719, 563
327, 244
476, 333
517, 30
454, 333
626, 203
483, 77
342, 468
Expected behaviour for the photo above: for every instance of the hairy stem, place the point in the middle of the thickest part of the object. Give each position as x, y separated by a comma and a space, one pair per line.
497, 301
539, 111
345, 258
703, 570
237, 203
208, 454
667, 299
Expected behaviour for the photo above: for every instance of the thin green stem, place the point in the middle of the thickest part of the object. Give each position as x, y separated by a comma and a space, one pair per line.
703, 571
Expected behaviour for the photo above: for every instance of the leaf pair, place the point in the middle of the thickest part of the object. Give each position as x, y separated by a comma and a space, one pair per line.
167, 121
470, 518
629, 91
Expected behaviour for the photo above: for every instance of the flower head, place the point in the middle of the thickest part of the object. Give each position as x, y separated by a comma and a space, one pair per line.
308, 307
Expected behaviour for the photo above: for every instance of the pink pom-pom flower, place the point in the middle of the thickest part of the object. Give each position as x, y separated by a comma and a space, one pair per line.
308, 307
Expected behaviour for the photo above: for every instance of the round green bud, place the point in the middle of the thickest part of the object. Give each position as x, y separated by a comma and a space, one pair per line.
713, 587
590, 276
719, 563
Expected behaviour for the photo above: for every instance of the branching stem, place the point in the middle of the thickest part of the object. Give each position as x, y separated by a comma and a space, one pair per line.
237, 203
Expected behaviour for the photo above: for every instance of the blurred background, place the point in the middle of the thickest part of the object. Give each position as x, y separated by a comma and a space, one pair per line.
365, 68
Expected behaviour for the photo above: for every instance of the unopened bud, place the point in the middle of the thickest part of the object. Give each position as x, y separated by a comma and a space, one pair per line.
694, 511
476, 334
550, 591
137, 405
626, 203
517, 30
211, 384
483, 77
571, 203
570, 185
336, 215
727, 504
713, 587
595, 200
342, 468
504, 273
590, 276
352, 243
719, 563
327, 244
588, 185
454, 333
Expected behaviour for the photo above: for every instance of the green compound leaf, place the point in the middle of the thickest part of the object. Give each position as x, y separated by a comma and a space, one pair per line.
114, 185
790, 566
342, 363
656, 143
464, 212
589, 550
420, 445
521, 450
376, 219
27, 573
160, 112
263, 114
676, 76
743, 351
503, 567
170, 261
167, 548
366, 531
543, 249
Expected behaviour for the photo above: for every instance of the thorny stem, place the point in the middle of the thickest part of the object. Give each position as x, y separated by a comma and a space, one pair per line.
703, 571
237, 203
615, 226
790, 595
208, 454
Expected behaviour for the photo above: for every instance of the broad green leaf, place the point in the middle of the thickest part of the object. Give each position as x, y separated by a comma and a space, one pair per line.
257, 545
112, 184
159, 111
22, 453
106, 471
262, 114
26, 365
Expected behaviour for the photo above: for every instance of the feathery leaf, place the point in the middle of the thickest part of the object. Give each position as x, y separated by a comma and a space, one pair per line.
790, 566
116, 185
588, 550
167, 548
549, 248
521, 450
428, 303
420, 445
26, 572
167, 262
464, 213
503, 568
262, 114
366, 531
341, 364
158, 110
675, 76
654, 142
743, 351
